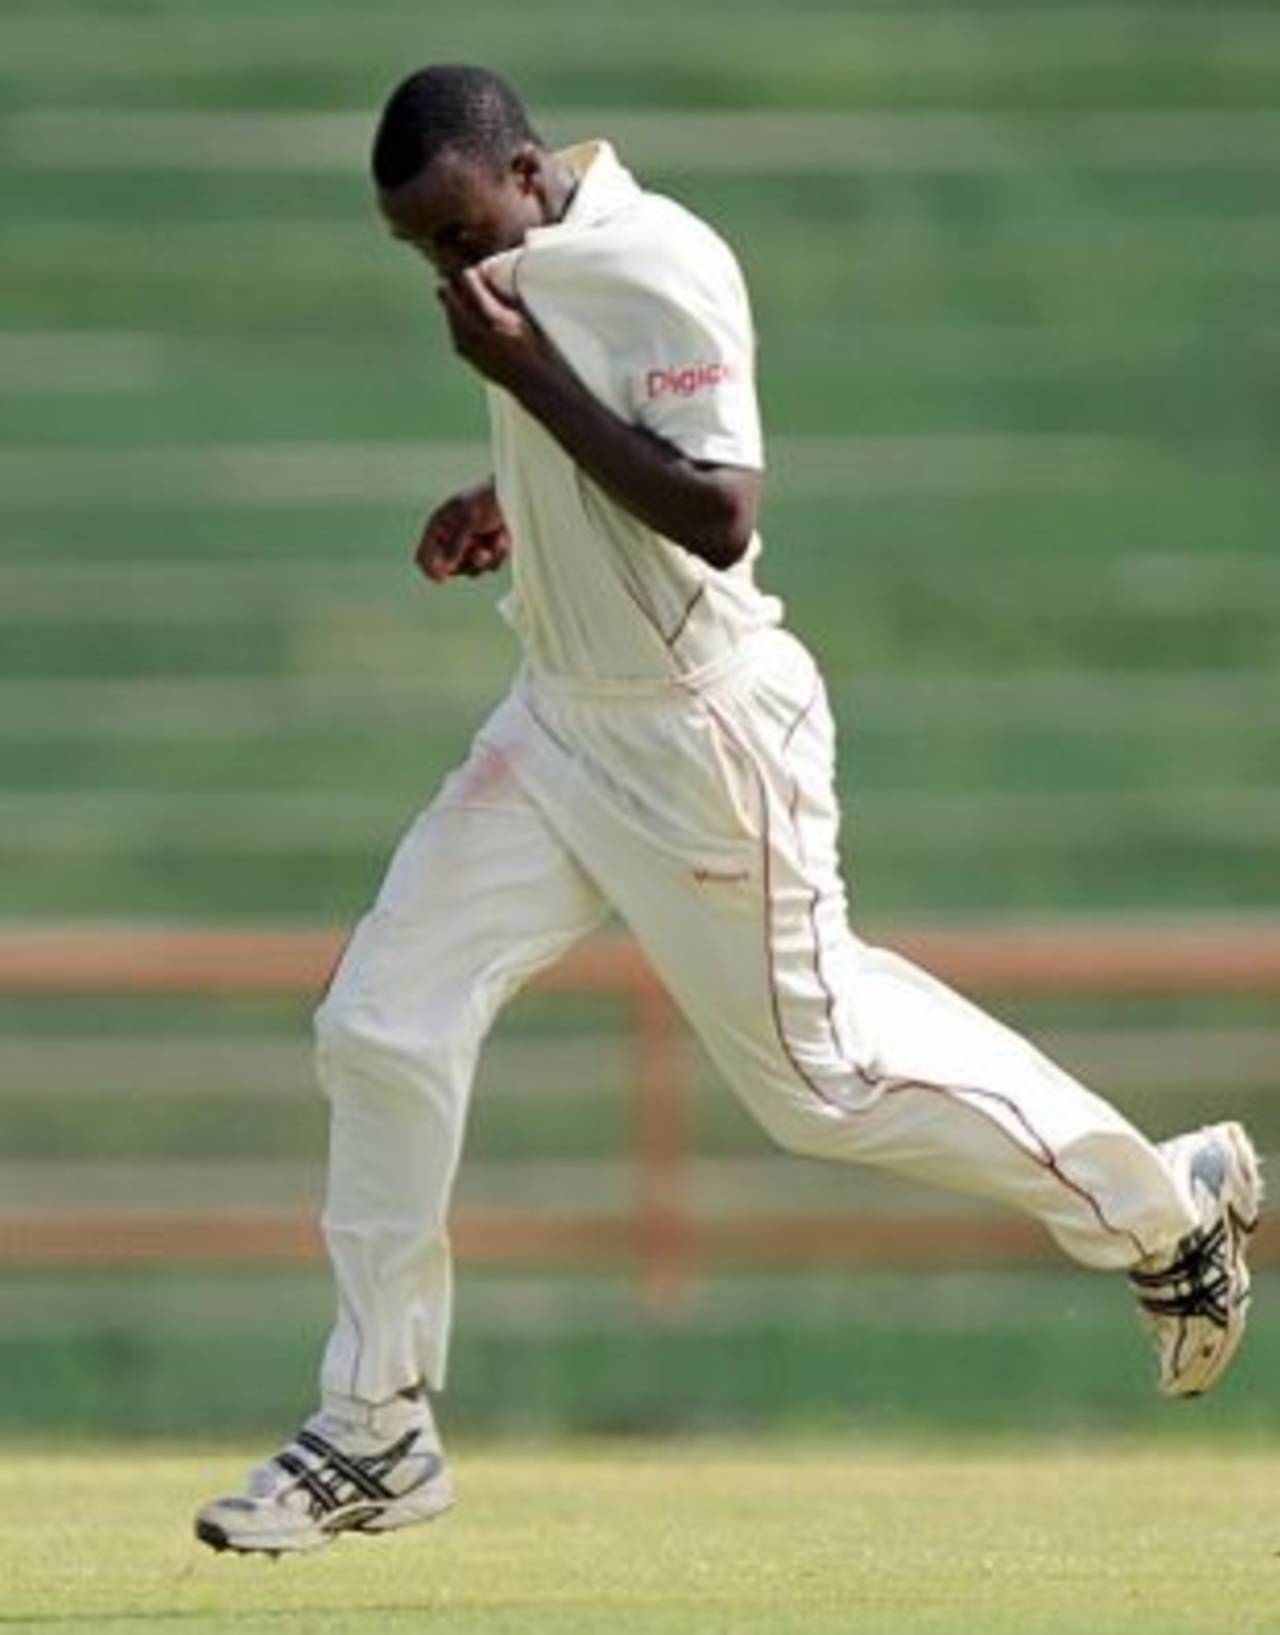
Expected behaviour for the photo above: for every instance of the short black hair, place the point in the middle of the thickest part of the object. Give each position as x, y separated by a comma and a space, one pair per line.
448, 105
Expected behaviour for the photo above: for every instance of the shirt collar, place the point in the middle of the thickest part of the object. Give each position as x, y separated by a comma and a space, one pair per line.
604, 187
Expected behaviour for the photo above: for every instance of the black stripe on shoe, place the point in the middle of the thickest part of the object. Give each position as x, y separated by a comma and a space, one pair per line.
321, 1493
379, 1464
355, 1472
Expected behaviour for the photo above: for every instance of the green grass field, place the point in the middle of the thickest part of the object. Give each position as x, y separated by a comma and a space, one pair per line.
795, 1539
1022, 393
1020, 386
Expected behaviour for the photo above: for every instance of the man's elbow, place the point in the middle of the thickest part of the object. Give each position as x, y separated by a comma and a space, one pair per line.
724, 534
724, 545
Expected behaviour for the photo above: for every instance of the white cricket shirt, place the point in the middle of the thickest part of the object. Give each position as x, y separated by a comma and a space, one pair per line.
649, 307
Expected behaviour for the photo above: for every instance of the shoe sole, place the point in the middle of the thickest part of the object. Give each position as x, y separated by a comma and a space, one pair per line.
424, 1506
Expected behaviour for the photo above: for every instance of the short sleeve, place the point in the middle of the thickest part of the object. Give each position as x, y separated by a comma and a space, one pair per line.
652, 311
690, 362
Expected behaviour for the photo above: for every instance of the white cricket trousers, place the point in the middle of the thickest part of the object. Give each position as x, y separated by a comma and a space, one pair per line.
705, 814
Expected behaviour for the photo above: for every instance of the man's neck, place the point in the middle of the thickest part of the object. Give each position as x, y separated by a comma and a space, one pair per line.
562, 184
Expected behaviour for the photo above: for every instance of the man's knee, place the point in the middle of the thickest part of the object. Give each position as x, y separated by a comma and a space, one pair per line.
804, 1130
361, 1052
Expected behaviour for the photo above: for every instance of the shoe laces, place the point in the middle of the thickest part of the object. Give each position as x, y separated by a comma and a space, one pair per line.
1197, 1282
277, 1477
270, 1480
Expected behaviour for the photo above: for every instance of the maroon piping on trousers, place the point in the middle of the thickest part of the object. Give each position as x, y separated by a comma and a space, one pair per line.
1044, 1156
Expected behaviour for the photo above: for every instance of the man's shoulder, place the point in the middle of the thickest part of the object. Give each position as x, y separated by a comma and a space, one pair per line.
653, 248
668, 231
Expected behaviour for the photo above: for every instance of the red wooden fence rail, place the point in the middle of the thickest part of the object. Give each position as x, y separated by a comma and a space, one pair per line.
657, 1232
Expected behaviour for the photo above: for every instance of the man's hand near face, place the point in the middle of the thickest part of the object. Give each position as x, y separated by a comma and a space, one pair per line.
494, 334
710, 510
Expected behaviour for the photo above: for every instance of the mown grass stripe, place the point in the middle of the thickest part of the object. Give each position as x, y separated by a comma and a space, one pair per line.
251, 821
282, 474
1116, 702
241, 1068
69, 361
137, 594
758, 142
967, 41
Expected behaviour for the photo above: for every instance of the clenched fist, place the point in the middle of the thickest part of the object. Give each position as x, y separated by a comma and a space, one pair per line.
466, 535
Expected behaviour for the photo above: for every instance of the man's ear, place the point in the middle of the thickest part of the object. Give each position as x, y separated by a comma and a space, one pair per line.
526, 167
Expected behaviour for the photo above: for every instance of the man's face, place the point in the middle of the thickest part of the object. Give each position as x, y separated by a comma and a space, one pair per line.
457, 211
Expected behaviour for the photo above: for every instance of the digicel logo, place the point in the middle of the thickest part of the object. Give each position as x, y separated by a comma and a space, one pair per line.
694, 377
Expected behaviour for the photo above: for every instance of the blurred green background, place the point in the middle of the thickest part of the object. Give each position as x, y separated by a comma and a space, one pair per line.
1017, 277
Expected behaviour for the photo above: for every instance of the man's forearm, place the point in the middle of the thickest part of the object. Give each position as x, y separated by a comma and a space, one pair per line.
702, 509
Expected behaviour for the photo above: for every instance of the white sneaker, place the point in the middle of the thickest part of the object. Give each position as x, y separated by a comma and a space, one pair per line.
1195, 1301
332, 1478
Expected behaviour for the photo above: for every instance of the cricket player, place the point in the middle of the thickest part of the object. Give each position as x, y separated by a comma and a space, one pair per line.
666, 752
